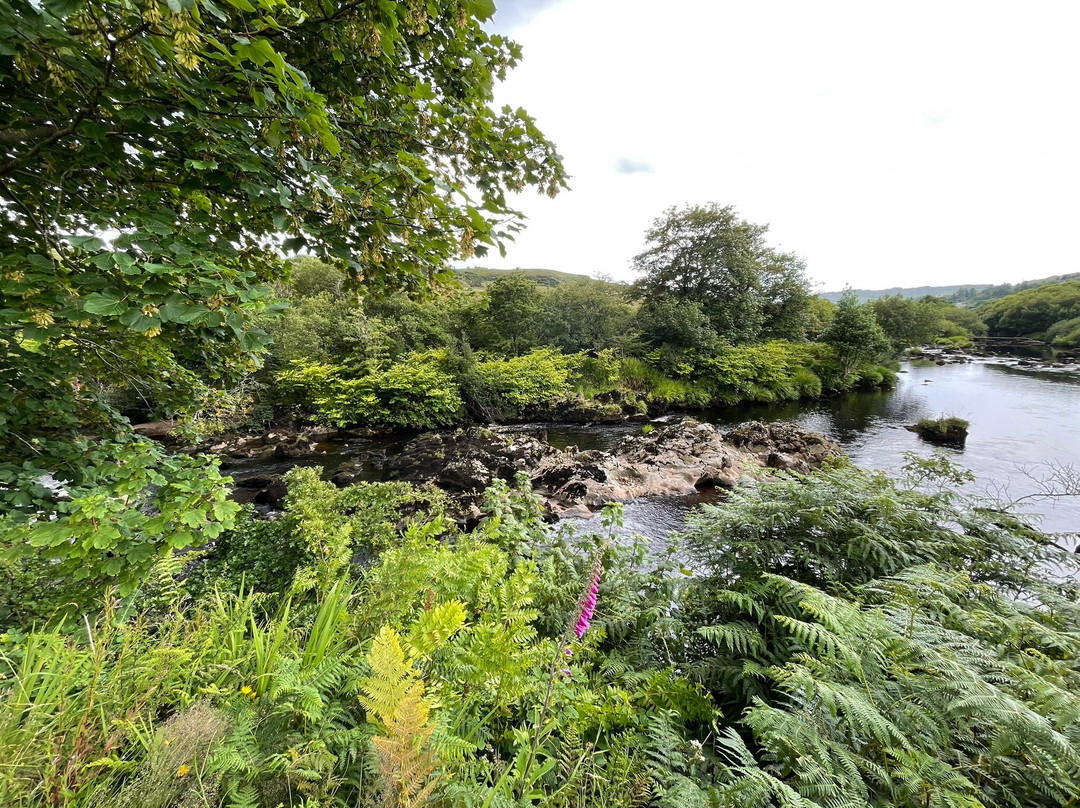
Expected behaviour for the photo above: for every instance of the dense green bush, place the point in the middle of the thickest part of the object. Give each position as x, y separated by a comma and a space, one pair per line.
1065, 333
359, 521
868, 645
869, 377
510, 388
417, 391
1033, 311
660, 391
773, 371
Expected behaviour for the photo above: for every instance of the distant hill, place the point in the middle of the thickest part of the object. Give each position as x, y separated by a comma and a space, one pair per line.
906, 291
479, 277
988, 293
970, 294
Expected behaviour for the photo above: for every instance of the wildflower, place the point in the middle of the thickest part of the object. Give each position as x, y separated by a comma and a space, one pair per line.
247, 691
565, 671
588, 604
166, 742
567, 651
184, 769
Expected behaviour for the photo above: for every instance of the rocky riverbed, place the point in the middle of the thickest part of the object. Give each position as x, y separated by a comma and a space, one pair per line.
669, 460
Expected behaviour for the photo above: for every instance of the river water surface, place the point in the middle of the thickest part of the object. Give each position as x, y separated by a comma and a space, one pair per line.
1022, 421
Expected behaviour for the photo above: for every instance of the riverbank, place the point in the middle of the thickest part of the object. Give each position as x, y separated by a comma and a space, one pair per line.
1022, 418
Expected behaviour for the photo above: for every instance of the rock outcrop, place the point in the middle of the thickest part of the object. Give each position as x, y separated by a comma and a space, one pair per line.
674, 459
465, 462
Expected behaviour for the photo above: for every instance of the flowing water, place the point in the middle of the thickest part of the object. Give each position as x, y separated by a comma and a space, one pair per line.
1023, 422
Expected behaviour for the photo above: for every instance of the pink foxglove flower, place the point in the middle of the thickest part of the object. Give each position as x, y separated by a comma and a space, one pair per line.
588, 604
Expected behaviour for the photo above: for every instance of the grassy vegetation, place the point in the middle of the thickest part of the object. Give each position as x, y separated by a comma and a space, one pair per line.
842, 635
948, 430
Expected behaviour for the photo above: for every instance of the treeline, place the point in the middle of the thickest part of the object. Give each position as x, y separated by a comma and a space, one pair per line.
1047, 312
975, 295
516, 349
717, 318
1046, 309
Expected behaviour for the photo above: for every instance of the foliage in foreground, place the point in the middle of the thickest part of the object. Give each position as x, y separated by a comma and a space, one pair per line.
841, 640
156, 159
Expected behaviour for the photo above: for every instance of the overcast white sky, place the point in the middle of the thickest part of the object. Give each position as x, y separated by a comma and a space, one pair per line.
887, 143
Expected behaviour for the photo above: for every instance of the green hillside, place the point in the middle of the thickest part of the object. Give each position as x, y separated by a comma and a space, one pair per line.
1051, 312
969, 295
479, 277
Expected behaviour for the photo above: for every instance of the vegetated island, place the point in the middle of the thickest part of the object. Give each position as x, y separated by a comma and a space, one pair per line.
945, 431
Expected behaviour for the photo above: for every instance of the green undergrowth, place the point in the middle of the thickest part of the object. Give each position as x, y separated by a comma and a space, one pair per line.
440, 388
834, 639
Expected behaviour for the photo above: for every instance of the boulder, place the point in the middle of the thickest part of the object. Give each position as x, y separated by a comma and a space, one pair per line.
465, 462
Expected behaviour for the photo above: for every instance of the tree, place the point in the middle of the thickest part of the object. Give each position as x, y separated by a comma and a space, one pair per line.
707, 254
513, 312
906, 322
583, 316
153, 156
854, 333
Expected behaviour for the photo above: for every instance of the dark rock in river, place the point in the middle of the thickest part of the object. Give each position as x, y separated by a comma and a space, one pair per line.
465, 462
672, 460
783, 446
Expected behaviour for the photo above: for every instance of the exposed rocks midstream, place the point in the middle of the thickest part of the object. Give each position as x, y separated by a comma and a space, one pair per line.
671, 460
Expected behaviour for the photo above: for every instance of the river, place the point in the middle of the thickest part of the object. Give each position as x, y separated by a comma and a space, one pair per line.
1021, 421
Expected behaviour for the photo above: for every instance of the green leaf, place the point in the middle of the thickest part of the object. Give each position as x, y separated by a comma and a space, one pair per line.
481, 9
134, 319
86, 243
102, 304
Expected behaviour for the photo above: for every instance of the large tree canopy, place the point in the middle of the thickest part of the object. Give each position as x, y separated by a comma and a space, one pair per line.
707, 254
154, 158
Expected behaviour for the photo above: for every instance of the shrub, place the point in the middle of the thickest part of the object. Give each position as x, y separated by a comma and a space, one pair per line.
867, 641
598, 373
301, 381
868, 377
416, 391
773, 371
509, 388
1065, 333
260, 554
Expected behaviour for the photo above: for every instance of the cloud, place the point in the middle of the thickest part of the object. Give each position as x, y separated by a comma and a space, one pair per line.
625, 165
